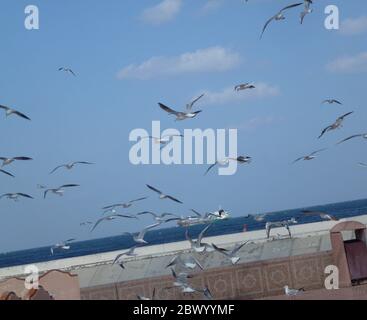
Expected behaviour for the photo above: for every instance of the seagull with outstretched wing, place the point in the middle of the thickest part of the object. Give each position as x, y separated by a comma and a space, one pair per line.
6, 161
232, 255
336, 125
9, 112
60, 190
279, 16
67, 70
7, 173
70, 166
322, 215
180, 116
111, 218
15, 196
163, 196
309, 157
332, 101
124, 205
244, 86
226, 161
363, 135
139, 237
197, 245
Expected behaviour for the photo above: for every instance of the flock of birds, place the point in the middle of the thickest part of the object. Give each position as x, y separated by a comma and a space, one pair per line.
182, 264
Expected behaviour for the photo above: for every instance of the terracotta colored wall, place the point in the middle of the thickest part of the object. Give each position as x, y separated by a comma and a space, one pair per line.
244, 281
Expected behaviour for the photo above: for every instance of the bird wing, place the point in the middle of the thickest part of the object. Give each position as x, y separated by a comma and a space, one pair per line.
346, 115
69, 186
7, 173
190, 105
147, 212
136, 200
174, 199
351, 137
318, 151
24, 195
238, 248
81, 162
220, 250
299, 159
22, 115
145, 230
266, 25
4, 108
187, 236
154, 189
45, 193
197, 213
58, 167
202, 233
291, 6
167, 109
22, 158
98, 222
198, 263
210, 168
324, 131
336, 101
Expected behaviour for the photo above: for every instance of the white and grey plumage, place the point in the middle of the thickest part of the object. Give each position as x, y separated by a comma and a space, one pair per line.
60, 190
15, 196
309, 157
190, 105
111, 218
7, 173
336, 125
163, 196
180, 279
307, 10
331, 101
180, 116
292, 292
226, 161
232, 255
363, 135
280, 224
124, 205
67, 70
129, 253
244, 86
322, 215
279, 16
188, 262
142, 298
361, 164
6, 161
9, 112
197, 245
70, 166
139, 237
162, 218
65, 245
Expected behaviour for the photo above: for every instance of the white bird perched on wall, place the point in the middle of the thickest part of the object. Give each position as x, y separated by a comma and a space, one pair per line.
292, 292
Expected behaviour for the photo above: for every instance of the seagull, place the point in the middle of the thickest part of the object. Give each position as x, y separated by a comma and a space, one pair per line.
125, 205
70, 166
331, 101
7, 173
190, 105
67, 70
160, 218
196, 245
163, 196
322, 215
232, 255
147, 299
139, 237
244, 86
188, 262
181, 279
292, 292
363, 135
63, 245
309, 157
337, 124
9, 112
129, 253
60, 190
226, 161
260, 217
307, 9
15, 196
279, 16
112, 217
7, 161
179, 115
362, 164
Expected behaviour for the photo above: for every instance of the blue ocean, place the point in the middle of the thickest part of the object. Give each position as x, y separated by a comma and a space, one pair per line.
174, 234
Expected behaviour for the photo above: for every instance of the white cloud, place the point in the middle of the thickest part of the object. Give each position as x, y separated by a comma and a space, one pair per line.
213, 59
212, 5
349, 64
163, 12
228, 95
354, 26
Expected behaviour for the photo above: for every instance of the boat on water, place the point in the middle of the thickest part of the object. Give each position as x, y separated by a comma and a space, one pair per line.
208, 218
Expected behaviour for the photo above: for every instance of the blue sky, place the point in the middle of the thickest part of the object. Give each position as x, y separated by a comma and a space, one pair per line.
130, 55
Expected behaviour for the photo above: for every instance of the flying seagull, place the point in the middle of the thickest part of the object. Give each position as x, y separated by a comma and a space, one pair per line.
111, 218
292, 292
60, 190
363, 135
70, 166
7, 161
181, 279
196, 245
65, 245
9, 112
15, 196
190, 105
336, 125
179, 115
226, 161
188, 262
331, 101
322, 215
244, 86
279, 16
139, 237
147, 299
362, 164
124, 205
307, 9
160, 218
129, 253
67, 70
163, 196
232, 255
309, 157
7, 173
